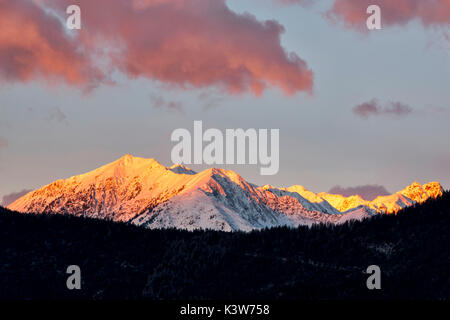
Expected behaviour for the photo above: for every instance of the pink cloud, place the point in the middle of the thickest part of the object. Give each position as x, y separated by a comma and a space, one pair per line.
399, 12
190, 43
33, 45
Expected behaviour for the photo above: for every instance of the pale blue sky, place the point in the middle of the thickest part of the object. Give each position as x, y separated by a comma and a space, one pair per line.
322, 142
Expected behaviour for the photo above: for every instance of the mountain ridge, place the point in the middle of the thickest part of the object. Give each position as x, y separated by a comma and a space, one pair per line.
145, 192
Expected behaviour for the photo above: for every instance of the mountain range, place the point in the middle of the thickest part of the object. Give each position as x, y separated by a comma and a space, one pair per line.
146, 193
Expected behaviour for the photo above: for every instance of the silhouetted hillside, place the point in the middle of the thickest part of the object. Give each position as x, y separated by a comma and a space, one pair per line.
326, 262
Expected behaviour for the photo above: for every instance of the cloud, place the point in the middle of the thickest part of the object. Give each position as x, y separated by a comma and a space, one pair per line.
190, 43
56, 114
160, 103
367, 192
10, 198
399, 12
3, 143
34, 45
372, 108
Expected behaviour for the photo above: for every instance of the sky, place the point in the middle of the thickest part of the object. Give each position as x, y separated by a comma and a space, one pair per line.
354, 107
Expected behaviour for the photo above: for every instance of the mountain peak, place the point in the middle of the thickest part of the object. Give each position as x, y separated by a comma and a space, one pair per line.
125, 166
419, 193
127, 156
414, 185
129, 161
296, 188
434, 189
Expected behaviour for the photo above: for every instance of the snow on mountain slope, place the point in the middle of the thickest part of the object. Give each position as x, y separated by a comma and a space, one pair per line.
119, 190
144, 192
317, 202
358, 213
215, 199
415, 193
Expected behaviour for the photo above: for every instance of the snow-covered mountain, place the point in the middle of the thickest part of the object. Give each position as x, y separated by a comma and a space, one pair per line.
144, 192
415, 193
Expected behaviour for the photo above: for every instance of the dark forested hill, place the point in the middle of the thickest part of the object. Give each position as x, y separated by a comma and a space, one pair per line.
120, 261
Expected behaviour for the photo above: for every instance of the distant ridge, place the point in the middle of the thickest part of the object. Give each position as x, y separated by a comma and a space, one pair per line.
145, 192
